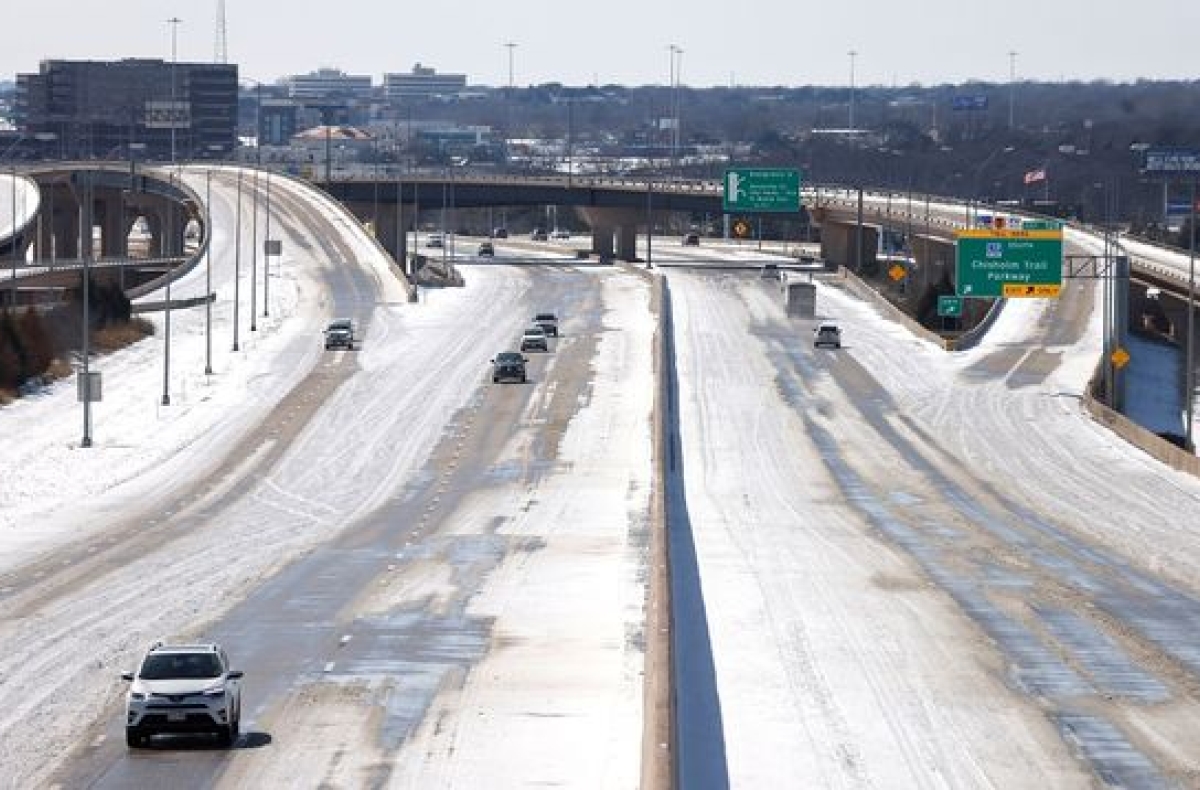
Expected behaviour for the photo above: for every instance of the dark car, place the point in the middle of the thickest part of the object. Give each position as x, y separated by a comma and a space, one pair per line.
548, 322
827, 333
340, 334
691, 240
508, 366
539, 234
500, 233
486, 250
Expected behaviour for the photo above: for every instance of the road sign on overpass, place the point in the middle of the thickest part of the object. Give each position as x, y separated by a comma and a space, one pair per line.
1009, 263
774, 189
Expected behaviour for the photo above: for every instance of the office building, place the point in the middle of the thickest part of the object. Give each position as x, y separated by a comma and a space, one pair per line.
110, 109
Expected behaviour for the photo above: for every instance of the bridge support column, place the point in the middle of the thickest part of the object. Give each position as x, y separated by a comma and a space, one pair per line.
839, 244
167, 225
60, 230
114, 232
602, 241
392, 232
627, 242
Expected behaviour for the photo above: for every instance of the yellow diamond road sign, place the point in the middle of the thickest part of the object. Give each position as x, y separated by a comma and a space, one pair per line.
1120, 357
896, 272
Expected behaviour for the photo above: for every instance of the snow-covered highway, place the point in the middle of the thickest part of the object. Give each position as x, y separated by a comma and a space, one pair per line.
893, 565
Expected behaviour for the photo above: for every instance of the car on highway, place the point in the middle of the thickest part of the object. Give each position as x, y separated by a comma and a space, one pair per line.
509, 366
435, 240
486, 249
548, 322
770, 271
827, 333
184, 688
339, 334
538, 234
500, 233
561, 233
534, 339
691, 240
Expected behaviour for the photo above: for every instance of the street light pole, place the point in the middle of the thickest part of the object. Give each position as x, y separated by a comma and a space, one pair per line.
649, 222
237, 259
1190, 373
254, 253
266, 252
853, 54
511, 46
174, 23
12, 292
507, 102
1012, 87
166, 395
85, 250
208, 230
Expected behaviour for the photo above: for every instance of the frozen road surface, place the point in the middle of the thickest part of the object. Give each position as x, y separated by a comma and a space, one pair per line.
893, 566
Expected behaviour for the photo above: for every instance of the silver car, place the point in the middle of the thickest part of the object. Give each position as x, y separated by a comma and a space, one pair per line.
534, 339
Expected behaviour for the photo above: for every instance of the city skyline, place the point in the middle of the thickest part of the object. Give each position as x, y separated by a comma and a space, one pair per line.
765, 43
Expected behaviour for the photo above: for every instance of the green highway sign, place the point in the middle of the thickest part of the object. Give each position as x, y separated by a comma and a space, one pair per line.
1006, 263
950, 306
775, 189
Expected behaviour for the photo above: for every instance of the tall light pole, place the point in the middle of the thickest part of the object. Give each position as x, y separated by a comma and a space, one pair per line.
1190, 373
676, 68
1012, 87
208, 230
237, 259
254, 253
166, 394
511, 46
85, 251
174, 23
12, 293
853, 54
267, 250
508, 107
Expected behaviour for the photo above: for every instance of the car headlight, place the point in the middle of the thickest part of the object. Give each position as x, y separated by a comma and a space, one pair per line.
215, 691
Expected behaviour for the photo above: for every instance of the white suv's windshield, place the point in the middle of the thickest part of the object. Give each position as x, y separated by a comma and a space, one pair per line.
175, 666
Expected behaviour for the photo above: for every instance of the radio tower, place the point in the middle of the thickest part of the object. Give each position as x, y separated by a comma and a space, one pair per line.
221, 48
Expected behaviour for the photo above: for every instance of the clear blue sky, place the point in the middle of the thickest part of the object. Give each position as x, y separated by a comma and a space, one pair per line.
753, 42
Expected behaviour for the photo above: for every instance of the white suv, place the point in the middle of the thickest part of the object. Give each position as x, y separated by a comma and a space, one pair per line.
183, 688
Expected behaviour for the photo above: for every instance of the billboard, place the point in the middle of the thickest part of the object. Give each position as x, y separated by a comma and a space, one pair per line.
167, 115
975, 102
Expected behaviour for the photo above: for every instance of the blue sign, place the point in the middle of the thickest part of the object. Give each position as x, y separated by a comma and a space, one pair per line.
977, 102
1172, 160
